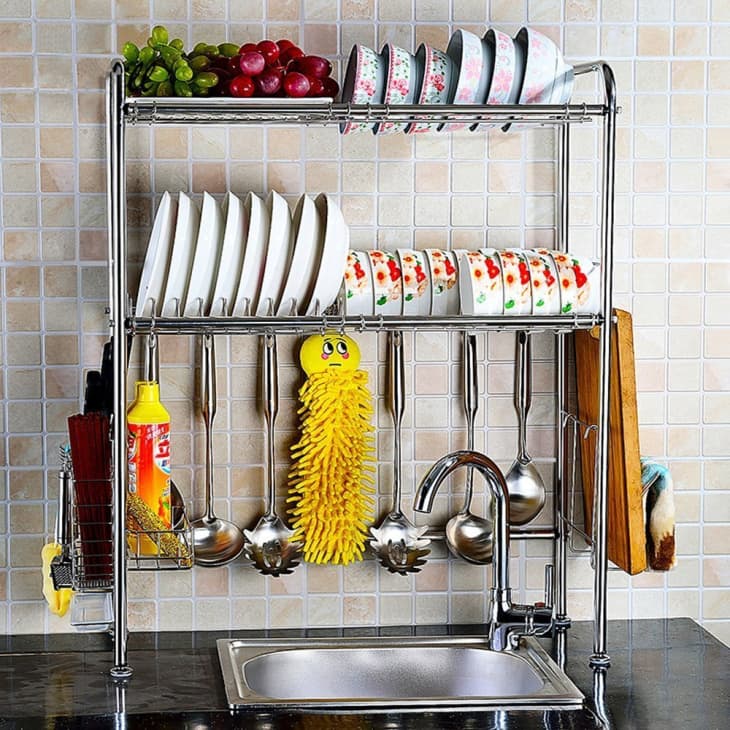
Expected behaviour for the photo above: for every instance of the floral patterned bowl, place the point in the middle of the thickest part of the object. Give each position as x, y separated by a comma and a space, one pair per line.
472, 64
438, 71
387, 282
358, 284
364, 83
517, 281
579, 279
544, 281
500, 49
480, 282
402, 82
416, 282
443, 270
541, 56
564, 79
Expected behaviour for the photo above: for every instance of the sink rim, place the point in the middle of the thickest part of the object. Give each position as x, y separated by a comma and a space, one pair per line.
557, 690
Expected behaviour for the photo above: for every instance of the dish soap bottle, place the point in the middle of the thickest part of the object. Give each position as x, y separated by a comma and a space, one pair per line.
148, 449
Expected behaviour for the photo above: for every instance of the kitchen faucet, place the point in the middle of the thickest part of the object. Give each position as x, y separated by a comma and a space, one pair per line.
507, 621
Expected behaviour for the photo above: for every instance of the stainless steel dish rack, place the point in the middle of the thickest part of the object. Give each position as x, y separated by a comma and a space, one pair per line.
123, 111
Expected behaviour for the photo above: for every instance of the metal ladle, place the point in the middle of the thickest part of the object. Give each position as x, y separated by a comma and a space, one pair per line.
524, 483
470, 537
399, 544
270, 546
215, 541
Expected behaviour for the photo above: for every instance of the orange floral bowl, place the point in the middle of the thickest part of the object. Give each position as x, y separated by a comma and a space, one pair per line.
415, 276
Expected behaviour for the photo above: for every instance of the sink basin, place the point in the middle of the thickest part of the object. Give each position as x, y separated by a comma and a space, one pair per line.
391, 672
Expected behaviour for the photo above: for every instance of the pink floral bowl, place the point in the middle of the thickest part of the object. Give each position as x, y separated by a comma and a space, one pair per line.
472, 70
443, 271
438, 71
364, 83
480, 282
402, 81
358, 284
541, 56
387, 282
499, 50
416, 282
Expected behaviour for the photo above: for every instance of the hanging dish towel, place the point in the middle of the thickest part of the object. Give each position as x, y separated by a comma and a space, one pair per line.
656, 482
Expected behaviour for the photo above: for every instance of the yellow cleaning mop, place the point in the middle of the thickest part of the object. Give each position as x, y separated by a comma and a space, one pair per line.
331, 480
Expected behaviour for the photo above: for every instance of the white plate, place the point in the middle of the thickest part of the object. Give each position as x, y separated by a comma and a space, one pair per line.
205, 262
334, 254
252, 270
307, 234
278, 253
183, 247
229, 267
157, 258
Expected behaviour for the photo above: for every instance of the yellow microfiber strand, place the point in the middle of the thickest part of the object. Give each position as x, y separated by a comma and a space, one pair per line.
331, 479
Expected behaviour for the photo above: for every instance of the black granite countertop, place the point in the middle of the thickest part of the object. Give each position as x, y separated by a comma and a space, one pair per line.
663, 674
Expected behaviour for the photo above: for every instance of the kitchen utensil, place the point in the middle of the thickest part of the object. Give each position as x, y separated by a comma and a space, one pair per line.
481, 290
157, 259
181, 259
61, 567
215, 541
626, 534
399, 544
402, 82
278, 254
334, 248
231, 259
387, 282
525, 485
444, 272
307, 230
205, 262
416, 282
364, 83
358, 284
470, 537
254, 257
269, 545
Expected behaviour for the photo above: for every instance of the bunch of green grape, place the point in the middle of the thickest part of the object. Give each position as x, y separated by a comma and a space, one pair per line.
162, 68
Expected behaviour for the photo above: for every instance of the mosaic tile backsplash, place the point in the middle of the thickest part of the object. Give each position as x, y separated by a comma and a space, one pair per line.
673, 273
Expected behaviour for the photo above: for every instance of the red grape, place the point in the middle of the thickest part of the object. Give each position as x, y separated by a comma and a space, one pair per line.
331, 88
283, 44
315, 66
268, 82
241, 86
270, 51
233, 64
296, 84
252, 63
316, 86
291, 53
247, 48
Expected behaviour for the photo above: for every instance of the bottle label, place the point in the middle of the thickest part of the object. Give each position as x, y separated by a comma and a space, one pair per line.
148, 458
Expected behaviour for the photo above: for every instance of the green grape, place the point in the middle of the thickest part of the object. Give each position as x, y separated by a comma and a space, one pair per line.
150, 89
146, 55
165, 89
158, 74
206, 79
183, 73
228, 49
169, 55
182, 88
181, 61
212, 51
177, 44
199, 48
200, 91
160, 35
130, 52
199, 63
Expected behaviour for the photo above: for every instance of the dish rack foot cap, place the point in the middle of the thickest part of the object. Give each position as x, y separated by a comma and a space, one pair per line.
599, 660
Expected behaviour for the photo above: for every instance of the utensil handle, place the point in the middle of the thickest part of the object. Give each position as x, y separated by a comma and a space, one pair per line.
271, 409
397, 408
523, 389
152, 359
208, 397
62, 517
471, 404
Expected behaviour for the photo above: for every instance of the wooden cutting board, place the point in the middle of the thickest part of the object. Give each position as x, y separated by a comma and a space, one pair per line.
626, 530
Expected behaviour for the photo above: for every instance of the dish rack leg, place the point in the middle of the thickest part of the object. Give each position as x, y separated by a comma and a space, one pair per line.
600, 657
116, 211
559, 482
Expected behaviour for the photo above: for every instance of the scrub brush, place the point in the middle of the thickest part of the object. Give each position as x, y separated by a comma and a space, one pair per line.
331, 479
142, 520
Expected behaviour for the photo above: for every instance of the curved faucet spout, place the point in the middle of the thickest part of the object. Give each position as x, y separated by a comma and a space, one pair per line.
423, 502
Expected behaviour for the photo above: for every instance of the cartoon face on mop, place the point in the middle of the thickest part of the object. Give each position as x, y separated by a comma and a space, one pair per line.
331, 479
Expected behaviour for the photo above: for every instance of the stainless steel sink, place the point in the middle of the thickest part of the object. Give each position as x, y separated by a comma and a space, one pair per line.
388, 672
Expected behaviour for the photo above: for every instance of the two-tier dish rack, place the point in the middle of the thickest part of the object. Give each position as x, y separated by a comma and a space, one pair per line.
123, 323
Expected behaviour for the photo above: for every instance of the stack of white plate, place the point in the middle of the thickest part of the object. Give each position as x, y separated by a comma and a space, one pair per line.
244, 258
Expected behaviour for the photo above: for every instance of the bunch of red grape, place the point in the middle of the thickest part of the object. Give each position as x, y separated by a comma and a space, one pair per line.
162, 68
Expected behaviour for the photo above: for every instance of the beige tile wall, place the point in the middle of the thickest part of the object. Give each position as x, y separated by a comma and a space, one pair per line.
673, 273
